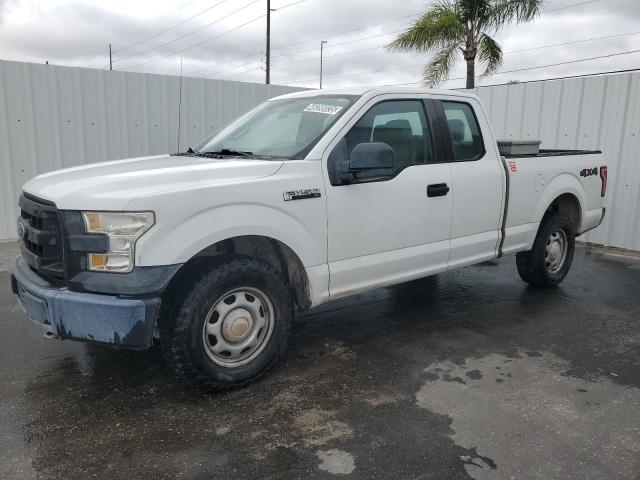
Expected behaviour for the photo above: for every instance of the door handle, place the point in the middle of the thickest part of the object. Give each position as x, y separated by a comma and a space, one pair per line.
437, 190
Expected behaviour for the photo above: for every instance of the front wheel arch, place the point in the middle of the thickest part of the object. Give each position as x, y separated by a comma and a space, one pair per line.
258, 247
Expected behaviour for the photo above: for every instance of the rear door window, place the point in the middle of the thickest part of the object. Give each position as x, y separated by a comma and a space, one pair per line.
464, 131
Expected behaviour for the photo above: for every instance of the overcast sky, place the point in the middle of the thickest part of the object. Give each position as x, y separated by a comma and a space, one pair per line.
227, 40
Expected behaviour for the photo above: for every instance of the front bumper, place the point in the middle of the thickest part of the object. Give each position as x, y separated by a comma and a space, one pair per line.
107, 319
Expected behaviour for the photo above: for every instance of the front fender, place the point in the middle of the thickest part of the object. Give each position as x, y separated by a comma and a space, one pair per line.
177, 243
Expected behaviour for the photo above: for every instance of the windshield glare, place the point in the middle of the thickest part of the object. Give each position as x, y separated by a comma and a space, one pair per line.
286, 128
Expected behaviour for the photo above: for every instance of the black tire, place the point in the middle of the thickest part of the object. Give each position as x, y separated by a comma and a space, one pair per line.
534, 266
182, 324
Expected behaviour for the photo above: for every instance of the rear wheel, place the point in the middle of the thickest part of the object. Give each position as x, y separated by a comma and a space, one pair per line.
230, 327
550, 259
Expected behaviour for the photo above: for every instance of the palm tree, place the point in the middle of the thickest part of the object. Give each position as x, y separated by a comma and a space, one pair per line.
465, 25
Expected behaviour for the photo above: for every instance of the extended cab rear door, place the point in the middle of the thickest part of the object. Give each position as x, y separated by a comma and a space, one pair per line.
477, 187
394, 228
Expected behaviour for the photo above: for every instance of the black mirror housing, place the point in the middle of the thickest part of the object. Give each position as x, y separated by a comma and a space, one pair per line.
372, 160
367, 162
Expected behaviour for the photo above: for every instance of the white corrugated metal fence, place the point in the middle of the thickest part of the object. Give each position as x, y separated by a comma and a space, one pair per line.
55, 117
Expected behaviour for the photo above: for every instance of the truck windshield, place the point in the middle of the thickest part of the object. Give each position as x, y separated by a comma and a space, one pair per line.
287, 128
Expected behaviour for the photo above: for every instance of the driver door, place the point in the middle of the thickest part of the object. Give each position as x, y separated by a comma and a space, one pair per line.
395, 228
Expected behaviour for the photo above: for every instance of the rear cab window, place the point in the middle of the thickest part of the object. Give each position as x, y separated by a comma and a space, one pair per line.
464, 131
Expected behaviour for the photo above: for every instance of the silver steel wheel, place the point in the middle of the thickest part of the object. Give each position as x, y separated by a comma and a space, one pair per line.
238, 327
555, 252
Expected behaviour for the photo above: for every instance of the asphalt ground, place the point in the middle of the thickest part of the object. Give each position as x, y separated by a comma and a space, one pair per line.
470, 374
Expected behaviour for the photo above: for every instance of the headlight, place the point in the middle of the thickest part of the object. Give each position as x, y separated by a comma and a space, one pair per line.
122, 230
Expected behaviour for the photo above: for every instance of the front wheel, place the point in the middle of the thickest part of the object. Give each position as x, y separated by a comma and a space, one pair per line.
549, 261
231, 325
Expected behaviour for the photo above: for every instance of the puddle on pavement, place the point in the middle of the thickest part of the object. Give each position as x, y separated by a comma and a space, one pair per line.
527, 419
336, 462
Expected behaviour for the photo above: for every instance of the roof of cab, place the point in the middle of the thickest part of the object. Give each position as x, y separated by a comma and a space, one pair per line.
372, 91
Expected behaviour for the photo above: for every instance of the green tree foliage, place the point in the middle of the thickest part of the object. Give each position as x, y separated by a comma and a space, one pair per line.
452, 26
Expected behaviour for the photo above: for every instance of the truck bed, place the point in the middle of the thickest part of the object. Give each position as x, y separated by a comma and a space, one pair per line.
532, 186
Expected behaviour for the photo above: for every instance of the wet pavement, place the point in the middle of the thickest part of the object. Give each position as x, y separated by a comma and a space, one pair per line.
466, 375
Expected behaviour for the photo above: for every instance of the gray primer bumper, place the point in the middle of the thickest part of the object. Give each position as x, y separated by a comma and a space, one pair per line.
122, 322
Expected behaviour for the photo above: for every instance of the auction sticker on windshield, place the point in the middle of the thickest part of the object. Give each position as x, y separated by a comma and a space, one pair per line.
321, 108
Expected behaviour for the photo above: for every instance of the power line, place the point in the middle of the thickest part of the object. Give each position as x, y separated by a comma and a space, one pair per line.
342, 75
289, 5
162, 19
259, 67
305, 41
210, 67
131, 36
199, 43
569, 6
538, 80
570, 62
238, 58
346, 31
99, 62
226, 63
341, 43
583, 75
215, 36
126, 47
572, 43
189, 33
395, 31
553, 65
332, 45
379, 35
599, 57
233, 74
352, 52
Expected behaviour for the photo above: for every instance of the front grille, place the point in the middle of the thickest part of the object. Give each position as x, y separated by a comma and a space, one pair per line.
42, 239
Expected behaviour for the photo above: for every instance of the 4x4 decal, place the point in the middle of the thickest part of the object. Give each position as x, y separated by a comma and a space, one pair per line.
588, 172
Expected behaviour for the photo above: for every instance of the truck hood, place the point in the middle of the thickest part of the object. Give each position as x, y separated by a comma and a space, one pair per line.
113, 185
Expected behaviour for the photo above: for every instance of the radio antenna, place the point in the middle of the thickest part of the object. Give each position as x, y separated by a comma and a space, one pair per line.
180, 106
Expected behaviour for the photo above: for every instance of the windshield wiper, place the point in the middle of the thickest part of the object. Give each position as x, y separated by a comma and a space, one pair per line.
226, 152
188, 153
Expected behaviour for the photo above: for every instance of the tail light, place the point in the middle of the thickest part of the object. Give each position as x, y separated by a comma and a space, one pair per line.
603, 177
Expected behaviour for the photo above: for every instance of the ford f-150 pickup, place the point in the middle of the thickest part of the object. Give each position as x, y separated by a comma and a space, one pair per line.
309, 197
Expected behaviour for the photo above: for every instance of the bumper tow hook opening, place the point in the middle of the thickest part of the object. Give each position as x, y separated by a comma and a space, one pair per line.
50, 336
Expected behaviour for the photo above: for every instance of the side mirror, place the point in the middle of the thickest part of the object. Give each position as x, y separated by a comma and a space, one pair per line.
372, 160
368, 161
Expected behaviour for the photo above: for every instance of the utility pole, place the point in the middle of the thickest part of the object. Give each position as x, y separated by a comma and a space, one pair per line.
322, 43
110, 59
268, 69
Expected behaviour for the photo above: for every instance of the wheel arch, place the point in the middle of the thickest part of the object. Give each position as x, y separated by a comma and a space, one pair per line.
271, 250
568, 204
564, 194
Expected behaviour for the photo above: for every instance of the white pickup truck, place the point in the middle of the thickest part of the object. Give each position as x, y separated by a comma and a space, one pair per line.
309, 197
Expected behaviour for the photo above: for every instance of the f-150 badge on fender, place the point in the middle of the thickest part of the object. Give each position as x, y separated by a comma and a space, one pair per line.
301, 194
